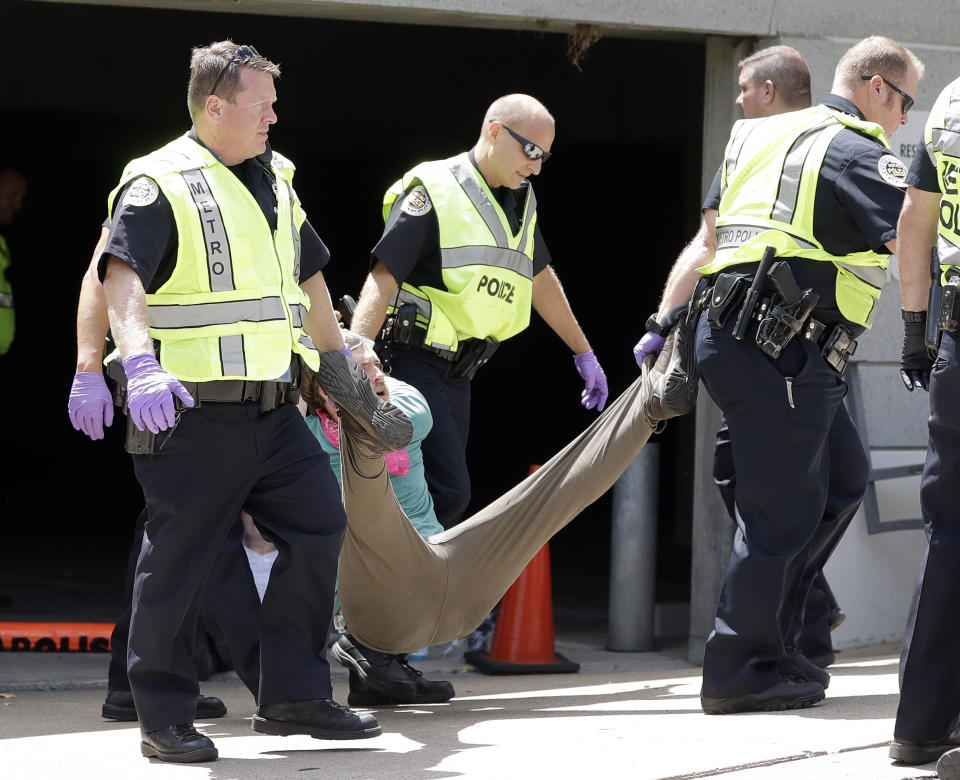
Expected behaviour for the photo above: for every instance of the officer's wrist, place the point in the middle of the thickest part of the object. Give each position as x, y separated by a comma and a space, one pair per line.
653, 325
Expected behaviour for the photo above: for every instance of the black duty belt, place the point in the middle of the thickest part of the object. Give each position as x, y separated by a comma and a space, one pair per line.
269, 395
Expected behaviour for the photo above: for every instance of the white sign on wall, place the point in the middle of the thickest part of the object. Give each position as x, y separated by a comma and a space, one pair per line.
907, 141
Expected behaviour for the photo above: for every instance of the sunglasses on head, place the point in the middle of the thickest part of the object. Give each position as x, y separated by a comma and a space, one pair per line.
907, 100
242, 54
532, 150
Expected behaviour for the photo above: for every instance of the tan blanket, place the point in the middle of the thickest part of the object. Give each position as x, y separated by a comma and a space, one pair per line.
401, 592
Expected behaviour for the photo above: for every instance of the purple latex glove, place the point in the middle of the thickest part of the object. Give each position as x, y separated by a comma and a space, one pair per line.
90, 406
650, 344
346, 353
150, 392
595, 381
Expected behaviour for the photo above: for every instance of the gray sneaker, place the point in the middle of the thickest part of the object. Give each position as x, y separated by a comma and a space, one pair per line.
387, 428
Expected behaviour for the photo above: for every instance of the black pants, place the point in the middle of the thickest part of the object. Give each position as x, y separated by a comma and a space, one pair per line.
445, 448
221, 458
819, 604
930, 660
228, 601
801, 473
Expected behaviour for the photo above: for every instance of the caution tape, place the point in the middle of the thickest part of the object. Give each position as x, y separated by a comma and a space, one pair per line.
56, 637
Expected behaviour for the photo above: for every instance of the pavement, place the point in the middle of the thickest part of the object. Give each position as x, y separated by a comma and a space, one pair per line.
624, 715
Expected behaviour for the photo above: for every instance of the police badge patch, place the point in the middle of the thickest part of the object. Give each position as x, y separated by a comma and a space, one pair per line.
417, 202
892, 171
142, 192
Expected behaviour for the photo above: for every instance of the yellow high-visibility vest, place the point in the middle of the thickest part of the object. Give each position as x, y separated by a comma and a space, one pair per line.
942, 143
232, 307
487, 271
768, 189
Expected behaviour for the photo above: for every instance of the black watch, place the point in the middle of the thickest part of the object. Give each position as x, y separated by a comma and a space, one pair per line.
913, 316
653, 326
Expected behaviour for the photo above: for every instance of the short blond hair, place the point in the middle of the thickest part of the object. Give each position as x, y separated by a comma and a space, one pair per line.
875, 56
207, 62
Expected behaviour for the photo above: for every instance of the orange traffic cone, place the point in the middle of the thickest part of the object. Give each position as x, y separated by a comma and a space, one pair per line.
523, 637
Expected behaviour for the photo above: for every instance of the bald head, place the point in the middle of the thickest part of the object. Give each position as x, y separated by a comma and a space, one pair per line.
515, 109
500, 153
13, 187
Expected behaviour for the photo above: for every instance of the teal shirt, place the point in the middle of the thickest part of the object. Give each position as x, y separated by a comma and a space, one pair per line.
411, 488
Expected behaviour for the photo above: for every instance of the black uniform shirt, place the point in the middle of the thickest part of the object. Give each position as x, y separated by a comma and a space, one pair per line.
923, 173
145, 236
857, 203
410, 244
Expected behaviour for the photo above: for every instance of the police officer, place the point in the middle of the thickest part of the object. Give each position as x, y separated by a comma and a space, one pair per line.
459, 265
929, 707
13, 188
211, 256
821, 187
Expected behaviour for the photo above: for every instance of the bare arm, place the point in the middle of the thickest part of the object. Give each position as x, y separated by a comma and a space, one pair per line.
127, 309
916, 236
551, 303
371, 310
92, 321
683, 276
321, 324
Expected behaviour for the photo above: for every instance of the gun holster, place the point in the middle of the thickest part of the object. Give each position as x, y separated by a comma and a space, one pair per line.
791, 308
471, 356
947, 313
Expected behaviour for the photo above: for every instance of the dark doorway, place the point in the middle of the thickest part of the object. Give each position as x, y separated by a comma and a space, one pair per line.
359, 104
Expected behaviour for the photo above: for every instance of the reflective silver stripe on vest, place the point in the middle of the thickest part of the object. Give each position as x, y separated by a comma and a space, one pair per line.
298, 315
947, 253
199, 315
6, 300
232, 361
307, 341
734, 236
463, 172
294, 232
873, 275
731, 161
946, 140
510, 259
788, 190
423, 305
219, 263
529, 209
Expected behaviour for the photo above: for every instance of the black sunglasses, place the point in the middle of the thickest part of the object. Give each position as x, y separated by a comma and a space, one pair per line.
530, 149
242, 54
907, 100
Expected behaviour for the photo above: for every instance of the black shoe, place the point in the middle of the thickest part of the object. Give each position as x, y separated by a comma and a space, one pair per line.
428, 691
948, 767
387, 428
796, 664
319, 718
909, 752
119, 706
380, 671
784, 695
181, 744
